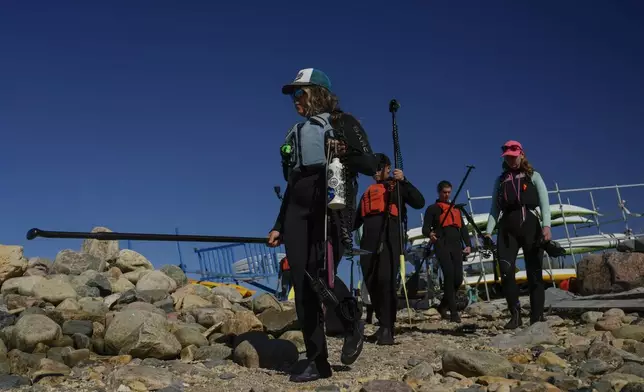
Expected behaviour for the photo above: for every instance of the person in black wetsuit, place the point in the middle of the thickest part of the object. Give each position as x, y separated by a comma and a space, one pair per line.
381, 236
516, 193
448, 233
300, 223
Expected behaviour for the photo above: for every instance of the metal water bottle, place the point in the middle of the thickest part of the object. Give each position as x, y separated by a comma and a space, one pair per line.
335, 185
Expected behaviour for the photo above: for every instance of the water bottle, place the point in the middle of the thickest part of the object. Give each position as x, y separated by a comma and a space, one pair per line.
335, 185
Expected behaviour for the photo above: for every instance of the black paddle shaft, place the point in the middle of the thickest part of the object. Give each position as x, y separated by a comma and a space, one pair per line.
109, 236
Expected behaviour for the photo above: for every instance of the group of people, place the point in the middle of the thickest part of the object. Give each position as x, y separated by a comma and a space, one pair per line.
316, 237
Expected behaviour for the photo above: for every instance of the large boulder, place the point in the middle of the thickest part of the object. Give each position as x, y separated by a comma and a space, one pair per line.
74, 263
612, 272
141, 334
129, 260
627, 270
106, 251
12, 262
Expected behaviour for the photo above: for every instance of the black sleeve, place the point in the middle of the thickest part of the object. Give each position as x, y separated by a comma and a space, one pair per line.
360, 156
411, 195
279, 222
465, 236
431, 214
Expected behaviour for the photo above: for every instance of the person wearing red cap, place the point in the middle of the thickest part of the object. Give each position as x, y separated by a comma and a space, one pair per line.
516, 194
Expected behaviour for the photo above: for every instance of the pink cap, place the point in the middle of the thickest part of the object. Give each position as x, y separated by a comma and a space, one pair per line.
512, 148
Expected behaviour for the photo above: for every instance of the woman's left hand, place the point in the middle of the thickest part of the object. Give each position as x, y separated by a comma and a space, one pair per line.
339, 147
547, 235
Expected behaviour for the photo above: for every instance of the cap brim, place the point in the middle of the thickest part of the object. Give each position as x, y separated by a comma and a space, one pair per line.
289, 88
511, 153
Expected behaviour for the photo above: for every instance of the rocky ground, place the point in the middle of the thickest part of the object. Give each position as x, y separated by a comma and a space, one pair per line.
103, 319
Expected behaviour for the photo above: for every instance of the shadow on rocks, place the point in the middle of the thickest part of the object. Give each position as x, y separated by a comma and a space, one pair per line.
256, 349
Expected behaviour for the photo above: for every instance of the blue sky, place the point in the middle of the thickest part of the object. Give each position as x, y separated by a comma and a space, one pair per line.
146, 116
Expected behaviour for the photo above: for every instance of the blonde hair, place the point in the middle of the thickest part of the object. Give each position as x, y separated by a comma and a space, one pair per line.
524, 166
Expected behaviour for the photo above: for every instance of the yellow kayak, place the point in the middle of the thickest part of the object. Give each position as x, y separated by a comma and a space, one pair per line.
242, 290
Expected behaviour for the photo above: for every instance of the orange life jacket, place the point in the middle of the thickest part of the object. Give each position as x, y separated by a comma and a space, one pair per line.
374, 200
453, 219
285, 266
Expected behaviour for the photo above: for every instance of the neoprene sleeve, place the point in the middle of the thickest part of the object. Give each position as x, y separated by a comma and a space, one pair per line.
494, 208
544, 201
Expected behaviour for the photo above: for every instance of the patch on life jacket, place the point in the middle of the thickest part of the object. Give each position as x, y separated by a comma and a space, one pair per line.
453, 218
284, 265
375, 198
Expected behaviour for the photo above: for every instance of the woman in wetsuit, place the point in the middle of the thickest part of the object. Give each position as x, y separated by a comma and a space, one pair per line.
445, 228
300, 223
381, 236
516, 194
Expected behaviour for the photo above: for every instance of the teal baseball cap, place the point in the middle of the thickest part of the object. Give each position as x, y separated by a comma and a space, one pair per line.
308, 77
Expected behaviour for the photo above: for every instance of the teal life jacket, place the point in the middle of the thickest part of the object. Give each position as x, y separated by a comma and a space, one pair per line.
307, 141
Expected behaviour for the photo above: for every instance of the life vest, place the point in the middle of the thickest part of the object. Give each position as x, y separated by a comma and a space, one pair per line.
284, 266
516, 191
452, 219
375, 198
307, 143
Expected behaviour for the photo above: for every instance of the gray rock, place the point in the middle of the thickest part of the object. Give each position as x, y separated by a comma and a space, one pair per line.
190, 336
538, 333
276, 322
142, 334
106, 251
594, 366
476, 363
69, 262
81, 341
83, 327
152, 378
54, 290
215, 352
156, 280
632, 368
265, 301
129, 260
12, 381
23, 285
33, 329
420, 372
385, 386
175, 273
86, 291
591, 317
101, 283
633, 332
230, 293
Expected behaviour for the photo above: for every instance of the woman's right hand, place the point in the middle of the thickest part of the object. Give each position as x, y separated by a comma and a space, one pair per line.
274, 239
432, 237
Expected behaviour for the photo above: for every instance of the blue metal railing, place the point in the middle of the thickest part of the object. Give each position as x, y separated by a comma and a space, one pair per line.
237, 263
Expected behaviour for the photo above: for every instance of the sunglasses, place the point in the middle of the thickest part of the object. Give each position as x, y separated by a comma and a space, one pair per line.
511, 148
295, 95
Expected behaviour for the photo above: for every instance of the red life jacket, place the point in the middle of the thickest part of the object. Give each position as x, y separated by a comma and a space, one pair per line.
453, 219
375, 198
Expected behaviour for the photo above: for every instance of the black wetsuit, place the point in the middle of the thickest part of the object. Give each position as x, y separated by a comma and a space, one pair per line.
449, 251
517, 196
380, 269
301, 224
